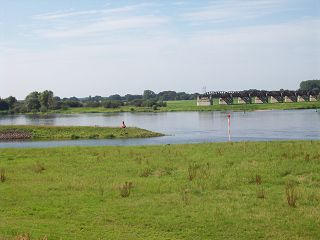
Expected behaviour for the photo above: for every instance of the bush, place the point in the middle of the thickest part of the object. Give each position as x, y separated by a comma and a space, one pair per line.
112, 104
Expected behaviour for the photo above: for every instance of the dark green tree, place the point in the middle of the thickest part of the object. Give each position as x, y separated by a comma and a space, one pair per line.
11, 101
3, 105
46, 100
32, 102
148, 94
310, 85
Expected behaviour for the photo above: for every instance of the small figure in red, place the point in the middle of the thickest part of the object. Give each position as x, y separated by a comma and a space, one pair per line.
123, 125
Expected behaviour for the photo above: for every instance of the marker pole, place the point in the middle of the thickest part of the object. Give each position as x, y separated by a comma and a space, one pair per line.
229, 131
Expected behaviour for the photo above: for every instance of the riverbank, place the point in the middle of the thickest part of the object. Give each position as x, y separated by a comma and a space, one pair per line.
265, 190
24, 132
187, 105
191, 105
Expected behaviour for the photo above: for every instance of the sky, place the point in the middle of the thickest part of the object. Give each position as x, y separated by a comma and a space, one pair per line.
102, 47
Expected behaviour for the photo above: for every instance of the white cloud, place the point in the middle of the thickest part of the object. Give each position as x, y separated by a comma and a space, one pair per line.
67, 24
106, 25
220, 11
68, 14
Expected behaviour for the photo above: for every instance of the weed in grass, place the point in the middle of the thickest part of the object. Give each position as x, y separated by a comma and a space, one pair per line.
186, 196
27, 237
146, 172
258, 179
38, 167
192, 171
125, 189
285, 173
291, 194
220, 152
307, 157
261, 193
2, 175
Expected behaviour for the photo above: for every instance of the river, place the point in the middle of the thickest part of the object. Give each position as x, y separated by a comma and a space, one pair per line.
181, 127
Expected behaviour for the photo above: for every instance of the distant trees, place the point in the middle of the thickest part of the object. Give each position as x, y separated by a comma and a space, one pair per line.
46, 101
310, 85
148, 94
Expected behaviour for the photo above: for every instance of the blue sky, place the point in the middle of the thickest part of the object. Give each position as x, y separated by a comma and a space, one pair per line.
82, 47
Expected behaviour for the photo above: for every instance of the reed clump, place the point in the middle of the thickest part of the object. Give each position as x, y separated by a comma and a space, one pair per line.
125, 189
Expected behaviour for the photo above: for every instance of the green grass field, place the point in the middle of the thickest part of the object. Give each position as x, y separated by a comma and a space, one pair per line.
73, 132
202, 191
191, 105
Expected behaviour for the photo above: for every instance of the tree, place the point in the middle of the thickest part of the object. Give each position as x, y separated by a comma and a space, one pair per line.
148, 94
310, 85
115, 97
11, 101
4, 105
46, 100
32, 102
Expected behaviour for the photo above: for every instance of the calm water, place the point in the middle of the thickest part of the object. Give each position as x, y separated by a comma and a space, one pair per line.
182, 127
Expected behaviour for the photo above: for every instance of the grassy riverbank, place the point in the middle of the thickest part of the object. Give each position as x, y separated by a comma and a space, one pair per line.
191, 105
71, 132
203, 191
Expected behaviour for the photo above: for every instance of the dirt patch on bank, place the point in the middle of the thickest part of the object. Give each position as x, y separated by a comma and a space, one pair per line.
13, 134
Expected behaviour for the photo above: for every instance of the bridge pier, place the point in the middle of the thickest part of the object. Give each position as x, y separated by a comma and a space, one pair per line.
260, 100
288, 99
244, 100
302, 98
204, 101
313, 98
225, 101
274, 99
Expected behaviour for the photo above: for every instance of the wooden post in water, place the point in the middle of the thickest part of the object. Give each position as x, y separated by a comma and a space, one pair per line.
229, 132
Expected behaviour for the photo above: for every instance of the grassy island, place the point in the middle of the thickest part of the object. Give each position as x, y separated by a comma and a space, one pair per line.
70, 132
256, 190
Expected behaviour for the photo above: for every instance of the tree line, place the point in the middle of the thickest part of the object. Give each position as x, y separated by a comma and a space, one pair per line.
45, 101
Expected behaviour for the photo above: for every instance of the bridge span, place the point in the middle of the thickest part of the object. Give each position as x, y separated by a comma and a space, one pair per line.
258, 96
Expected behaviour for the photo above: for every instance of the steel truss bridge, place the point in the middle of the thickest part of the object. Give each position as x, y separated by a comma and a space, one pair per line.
261, 96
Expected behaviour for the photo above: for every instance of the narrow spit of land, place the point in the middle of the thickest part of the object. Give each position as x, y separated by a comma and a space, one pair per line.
256, 190
14, 132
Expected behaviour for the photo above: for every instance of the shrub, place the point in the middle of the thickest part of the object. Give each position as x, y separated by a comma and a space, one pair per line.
110, 136
112, 104
125, 189
73, 136
93, 136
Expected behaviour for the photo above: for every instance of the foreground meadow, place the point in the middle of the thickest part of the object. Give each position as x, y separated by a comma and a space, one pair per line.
262, 190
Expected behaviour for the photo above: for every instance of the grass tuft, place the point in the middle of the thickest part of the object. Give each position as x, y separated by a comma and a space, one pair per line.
193, 170
38, 167
125, 189
146, 172
291, 194
2, 175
